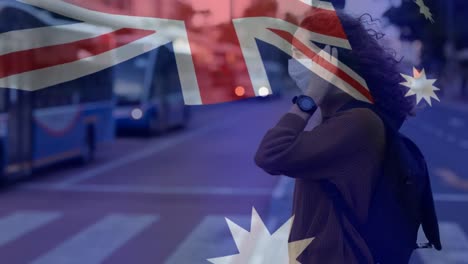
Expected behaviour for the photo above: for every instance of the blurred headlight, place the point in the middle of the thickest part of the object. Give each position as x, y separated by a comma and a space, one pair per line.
137, 113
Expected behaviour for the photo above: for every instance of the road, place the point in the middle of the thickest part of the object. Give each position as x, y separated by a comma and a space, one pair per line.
165, 199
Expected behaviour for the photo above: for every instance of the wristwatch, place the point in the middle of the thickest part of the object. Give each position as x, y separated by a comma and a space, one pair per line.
305, 103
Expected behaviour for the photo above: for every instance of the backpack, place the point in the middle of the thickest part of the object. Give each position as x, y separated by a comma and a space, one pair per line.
401, 201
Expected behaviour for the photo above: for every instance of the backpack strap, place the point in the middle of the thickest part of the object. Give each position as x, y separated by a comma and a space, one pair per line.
429, 221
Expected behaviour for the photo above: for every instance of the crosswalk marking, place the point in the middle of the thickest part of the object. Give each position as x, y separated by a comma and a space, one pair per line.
20, 223
454, 246
210, 239
97, 242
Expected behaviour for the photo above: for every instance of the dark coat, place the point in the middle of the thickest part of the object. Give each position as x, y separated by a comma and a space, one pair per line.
347, 149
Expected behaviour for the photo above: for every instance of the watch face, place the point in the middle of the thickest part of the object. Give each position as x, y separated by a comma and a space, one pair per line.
306, 104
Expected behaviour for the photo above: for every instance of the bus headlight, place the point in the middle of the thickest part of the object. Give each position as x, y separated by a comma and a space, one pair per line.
263, 91
137, 113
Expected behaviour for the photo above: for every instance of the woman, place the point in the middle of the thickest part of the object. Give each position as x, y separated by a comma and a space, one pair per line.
346, 148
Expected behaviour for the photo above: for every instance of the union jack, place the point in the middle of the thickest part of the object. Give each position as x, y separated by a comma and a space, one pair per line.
153, 32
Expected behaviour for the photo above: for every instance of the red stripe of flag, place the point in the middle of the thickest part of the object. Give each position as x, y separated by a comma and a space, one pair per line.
329, 26
325, 64
39, 58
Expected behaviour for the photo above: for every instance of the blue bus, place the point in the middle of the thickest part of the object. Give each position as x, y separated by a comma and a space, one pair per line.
148, 93
68, 120
54, 124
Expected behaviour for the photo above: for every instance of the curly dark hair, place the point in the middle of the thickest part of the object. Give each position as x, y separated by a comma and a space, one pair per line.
376, 64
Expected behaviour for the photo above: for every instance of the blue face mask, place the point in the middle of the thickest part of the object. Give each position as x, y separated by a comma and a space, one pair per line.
300, 73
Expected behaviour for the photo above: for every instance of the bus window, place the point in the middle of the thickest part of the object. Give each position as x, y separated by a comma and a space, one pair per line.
130, 80
92, 88
97, 87
58, 95
166, 77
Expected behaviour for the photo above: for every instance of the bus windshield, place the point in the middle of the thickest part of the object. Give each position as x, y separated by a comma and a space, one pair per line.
130, 80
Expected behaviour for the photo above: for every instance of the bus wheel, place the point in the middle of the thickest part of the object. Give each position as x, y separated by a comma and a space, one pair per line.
88, 148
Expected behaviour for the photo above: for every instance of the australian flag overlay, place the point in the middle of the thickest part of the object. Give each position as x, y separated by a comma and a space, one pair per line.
55, 42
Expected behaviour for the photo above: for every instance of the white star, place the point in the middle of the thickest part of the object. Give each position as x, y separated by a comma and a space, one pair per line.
423, 9
420, 86
259, 247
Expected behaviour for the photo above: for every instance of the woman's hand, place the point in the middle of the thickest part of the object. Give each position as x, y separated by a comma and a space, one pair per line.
318, 86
